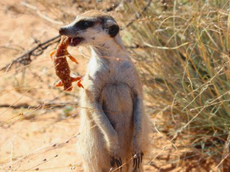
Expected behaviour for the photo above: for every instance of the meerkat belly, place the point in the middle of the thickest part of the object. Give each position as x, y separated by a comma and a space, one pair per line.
117, 104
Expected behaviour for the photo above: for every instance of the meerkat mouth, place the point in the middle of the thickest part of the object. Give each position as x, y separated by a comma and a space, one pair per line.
74, 41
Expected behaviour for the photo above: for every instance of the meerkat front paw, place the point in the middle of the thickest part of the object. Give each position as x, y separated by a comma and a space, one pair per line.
137, 153
115, 161
137, 160
116, 164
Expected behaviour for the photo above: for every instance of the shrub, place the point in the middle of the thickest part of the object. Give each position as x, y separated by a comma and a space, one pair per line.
182, 51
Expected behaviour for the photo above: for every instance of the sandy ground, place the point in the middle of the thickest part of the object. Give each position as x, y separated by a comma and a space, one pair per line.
43, 139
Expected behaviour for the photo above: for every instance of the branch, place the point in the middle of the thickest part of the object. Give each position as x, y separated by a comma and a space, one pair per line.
137, 46
25, 59
41, 106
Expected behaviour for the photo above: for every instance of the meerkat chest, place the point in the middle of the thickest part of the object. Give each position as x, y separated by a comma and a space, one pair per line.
121, 72
100, 74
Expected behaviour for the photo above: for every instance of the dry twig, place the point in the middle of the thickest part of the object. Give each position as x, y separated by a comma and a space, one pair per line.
25, 59
42, 106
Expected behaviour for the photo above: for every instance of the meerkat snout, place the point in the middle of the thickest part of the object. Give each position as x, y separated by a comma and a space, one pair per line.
61, 31
90, 30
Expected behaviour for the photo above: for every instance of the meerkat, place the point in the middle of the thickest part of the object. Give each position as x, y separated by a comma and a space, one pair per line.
114, 128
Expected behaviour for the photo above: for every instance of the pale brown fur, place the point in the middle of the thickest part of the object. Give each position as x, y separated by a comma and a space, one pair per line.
113, 122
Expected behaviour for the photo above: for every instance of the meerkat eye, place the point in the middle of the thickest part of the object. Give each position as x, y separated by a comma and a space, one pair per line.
84, 24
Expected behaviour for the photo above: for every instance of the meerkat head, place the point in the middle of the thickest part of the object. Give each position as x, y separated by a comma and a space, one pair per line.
92, 28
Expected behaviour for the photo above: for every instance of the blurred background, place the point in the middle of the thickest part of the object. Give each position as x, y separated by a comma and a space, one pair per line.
181, 50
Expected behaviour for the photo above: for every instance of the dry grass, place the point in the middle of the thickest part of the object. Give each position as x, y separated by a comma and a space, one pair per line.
185, 66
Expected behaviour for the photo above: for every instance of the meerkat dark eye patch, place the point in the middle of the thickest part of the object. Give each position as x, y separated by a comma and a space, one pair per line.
84, 24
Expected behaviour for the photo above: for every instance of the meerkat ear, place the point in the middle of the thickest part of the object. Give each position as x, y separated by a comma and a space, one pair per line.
112, 28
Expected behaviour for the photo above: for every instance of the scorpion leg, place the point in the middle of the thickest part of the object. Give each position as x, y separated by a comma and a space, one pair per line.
72, 58
52, 53
79, 81
59, 84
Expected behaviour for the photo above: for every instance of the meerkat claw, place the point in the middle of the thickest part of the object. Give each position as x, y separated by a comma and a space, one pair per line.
120, 164
137, 160
142, 154
117, 162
